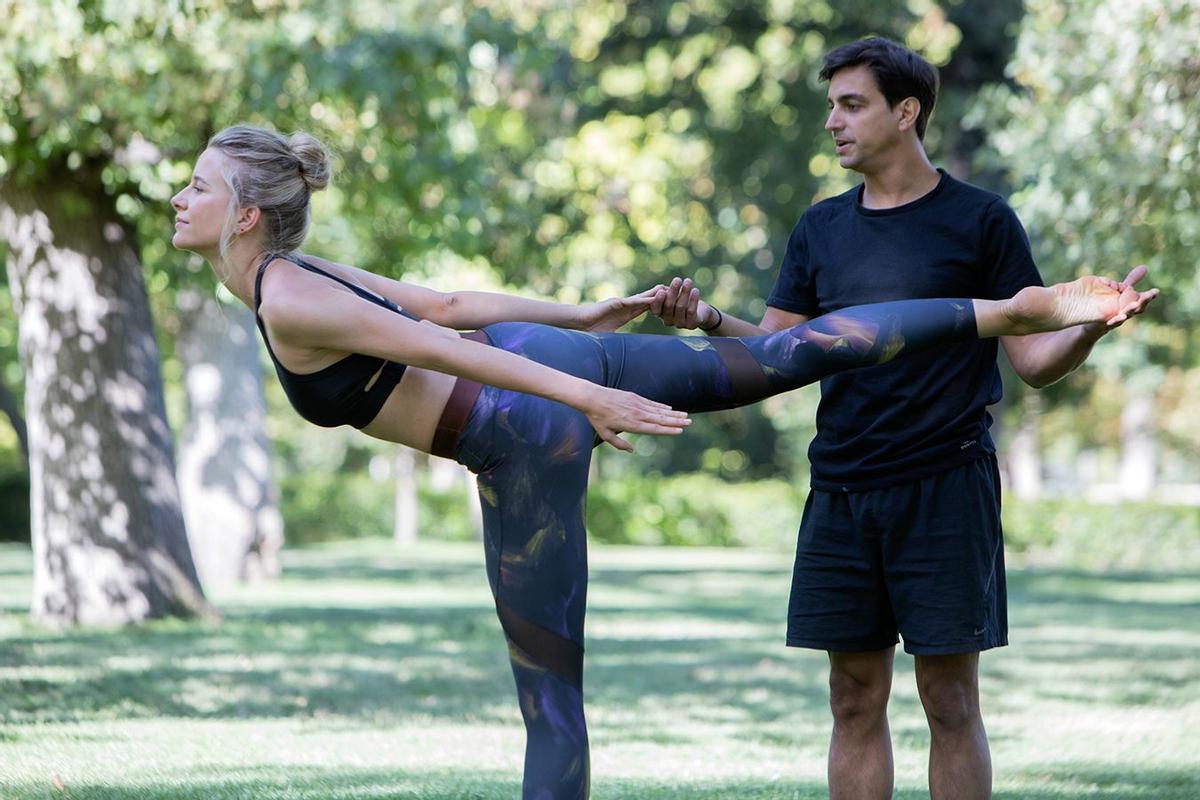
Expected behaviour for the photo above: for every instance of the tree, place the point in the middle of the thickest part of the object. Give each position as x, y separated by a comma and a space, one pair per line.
1102, 137
229, 498
80, 85
108, 535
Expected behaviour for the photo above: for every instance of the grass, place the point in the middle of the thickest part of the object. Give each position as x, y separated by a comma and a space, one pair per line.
372, 672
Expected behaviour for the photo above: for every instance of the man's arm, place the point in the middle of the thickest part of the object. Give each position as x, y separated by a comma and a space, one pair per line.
1045, 358
680, 306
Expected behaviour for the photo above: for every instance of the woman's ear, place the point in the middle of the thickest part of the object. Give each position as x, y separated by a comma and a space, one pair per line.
246, 220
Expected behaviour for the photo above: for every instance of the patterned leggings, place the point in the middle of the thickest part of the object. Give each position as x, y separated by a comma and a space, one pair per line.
532, 457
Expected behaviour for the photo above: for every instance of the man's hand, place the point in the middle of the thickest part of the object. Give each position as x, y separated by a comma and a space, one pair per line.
610, 314
679, 306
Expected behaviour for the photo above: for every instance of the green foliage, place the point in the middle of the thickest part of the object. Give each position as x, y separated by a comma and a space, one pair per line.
444, 514
14, 491
321, 506
326, 503
14, 472
694, 135
1103, 140
1093, 536
695, 509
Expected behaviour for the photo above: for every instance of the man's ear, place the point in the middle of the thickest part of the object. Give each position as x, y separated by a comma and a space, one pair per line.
908, 109
247, 218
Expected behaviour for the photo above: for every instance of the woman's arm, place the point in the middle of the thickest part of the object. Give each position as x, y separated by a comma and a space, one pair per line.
325, 317
471, 310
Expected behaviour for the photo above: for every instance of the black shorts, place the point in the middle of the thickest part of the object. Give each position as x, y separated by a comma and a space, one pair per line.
922, 560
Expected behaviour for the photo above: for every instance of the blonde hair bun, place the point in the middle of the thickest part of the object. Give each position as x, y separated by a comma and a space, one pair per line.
316, 166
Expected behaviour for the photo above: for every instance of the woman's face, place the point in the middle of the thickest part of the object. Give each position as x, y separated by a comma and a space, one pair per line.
201, 207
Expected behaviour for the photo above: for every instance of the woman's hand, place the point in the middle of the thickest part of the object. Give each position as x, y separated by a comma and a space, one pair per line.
610, 314
613, 411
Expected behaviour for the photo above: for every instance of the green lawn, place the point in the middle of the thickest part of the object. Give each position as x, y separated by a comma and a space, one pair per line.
371, 672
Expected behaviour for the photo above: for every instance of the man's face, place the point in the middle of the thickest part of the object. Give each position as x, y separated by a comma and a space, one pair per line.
864, 129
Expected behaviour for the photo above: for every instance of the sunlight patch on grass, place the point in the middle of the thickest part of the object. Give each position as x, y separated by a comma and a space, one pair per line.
325, 592
675, 627
1088, 637
1122, 588
392, 634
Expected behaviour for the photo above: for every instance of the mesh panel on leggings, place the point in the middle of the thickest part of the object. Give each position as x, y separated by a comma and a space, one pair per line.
562, 656
746, 377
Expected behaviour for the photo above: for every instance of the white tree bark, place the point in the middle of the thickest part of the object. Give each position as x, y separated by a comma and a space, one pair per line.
230, 500
404, 530
1024, 451
1139, 444
108, 535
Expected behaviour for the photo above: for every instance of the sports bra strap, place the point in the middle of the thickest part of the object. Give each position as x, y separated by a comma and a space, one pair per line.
362, 292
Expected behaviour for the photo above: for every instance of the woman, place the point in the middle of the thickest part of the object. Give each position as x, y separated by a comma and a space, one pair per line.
522, 404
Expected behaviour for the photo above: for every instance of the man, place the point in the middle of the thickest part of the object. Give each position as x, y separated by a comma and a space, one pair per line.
901, 531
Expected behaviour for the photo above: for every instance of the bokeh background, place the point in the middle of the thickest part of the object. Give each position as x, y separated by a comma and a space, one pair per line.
566, 150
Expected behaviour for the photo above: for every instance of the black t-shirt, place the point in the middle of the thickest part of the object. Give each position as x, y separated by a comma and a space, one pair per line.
920, 414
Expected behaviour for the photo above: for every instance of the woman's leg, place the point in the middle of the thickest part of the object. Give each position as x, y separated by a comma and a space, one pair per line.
705, 374
532, 457
533, 520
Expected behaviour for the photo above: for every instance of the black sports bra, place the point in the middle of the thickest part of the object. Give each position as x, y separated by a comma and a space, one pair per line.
337, 394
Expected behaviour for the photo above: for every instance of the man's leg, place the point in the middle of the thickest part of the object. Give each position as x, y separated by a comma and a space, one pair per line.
860, 750
839, 604
945, 572
960, 766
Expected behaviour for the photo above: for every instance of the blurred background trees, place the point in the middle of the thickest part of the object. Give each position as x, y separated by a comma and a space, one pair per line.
570, 150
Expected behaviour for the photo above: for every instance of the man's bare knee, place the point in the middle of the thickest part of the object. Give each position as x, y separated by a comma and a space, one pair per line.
859, 687
949, 691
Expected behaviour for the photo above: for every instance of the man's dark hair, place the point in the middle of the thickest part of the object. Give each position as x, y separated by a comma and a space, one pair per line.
899, 72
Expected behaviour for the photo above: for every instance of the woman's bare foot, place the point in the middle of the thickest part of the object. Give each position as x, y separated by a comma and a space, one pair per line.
1087, 299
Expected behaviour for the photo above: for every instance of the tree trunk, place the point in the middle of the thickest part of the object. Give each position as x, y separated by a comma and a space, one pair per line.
11, 409
229, 497
1024, 453
1139, 444
108, 536
405, 527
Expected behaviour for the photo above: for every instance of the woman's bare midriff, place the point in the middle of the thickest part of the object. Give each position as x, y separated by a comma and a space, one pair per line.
411, 413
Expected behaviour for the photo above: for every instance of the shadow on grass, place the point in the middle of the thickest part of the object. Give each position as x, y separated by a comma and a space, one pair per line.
386, 662
341, 784
1080, 598
1127, 782
680, 639
299, 783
